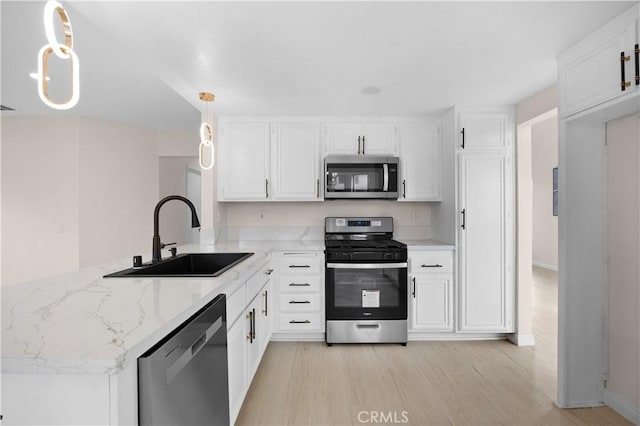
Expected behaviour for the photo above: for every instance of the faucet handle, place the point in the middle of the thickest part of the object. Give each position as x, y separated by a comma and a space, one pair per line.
163, 245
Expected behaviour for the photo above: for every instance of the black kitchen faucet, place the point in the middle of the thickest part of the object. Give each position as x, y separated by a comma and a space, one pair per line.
157, 245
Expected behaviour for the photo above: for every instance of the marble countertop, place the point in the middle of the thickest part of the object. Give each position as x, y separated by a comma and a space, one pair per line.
82, 323
428, 245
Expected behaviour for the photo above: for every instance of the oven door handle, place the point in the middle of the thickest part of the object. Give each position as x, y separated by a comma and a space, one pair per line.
366, 265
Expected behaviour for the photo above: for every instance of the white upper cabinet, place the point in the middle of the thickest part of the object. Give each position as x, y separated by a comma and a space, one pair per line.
343, 139
358, 138
269, 161
295, 167
245, 161
420, 159
379, 139
591, 72
484, 131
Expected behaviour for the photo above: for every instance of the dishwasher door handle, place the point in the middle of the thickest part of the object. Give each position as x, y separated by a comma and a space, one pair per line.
175, 368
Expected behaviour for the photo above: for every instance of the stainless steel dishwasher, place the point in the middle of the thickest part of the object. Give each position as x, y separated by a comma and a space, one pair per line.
183, 379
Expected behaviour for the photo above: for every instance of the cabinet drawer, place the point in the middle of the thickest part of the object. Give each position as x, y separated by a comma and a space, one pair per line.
301, 322
299, 283
300, 263
433, 262
257, 281
236, 304
303, 302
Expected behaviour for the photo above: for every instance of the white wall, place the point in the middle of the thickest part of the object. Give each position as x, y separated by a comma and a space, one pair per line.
624, 254
173, 181
118, 190
40, 197
544, 149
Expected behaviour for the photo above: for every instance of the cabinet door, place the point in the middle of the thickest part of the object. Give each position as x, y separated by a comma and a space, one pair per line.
254, 329
266, 316
485, 243
483, 131
420, 162
378, 139
343, 139
245, 168
295, 162
236, 353
591, 73
431, 303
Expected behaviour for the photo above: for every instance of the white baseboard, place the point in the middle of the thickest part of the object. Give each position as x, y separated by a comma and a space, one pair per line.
622, 407
545, 266
297, 337
522, 339
416, 336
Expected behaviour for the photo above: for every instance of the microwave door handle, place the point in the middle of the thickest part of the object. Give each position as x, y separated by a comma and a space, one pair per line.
385, 184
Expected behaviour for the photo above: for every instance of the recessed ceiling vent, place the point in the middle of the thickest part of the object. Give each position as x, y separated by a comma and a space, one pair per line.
6, 108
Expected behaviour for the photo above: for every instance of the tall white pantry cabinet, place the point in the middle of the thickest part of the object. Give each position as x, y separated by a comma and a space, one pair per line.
478, 213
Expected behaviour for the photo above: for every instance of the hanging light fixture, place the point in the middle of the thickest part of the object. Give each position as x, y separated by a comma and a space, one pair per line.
206, 152
62, 51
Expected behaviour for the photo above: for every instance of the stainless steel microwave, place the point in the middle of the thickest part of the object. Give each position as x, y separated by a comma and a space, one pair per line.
361, 176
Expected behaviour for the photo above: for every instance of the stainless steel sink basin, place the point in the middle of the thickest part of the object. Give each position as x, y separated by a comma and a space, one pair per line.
186, 265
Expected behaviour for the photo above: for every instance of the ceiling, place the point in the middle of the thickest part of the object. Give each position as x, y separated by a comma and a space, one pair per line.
145, 61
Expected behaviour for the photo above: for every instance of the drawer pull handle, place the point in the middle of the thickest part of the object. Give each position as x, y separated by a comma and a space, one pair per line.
432, 266
299, 285
299, 322
298, 301
299, 266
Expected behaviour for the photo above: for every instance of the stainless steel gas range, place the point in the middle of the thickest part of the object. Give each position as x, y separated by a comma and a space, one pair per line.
365, 281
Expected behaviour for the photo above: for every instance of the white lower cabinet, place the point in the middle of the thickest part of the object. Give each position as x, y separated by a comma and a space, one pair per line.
248, 335
300, 294
431, 291
237, 359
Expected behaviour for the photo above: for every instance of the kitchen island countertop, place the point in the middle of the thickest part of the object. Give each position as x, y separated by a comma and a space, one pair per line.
82, 323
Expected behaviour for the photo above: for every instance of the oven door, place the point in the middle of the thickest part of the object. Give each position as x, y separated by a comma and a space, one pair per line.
360, 291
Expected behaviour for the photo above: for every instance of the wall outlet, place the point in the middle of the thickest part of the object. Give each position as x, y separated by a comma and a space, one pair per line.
261, 214
415, 216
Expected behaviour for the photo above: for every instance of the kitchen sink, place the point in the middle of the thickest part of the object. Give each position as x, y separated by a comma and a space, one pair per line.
186, 265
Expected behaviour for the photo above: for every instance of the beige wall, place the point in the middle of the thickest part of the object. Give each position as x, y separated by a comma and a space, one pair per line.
535, 109
178, 143
624, 255
75, 192
118, 190
540, 103
173, 181
544, 150
40, 197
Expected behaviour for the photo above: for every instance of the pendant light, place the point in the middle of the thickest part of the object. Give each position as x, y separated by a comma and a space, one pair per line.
62, 51
206, 151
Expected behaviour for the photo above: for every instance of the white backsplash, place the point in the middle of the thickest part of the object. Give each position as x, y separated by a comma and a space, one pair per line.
299, 233
289, 221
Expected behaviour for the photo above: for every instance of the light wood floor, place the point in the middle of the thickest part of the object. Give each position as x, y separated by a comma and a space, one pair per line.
431, 383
